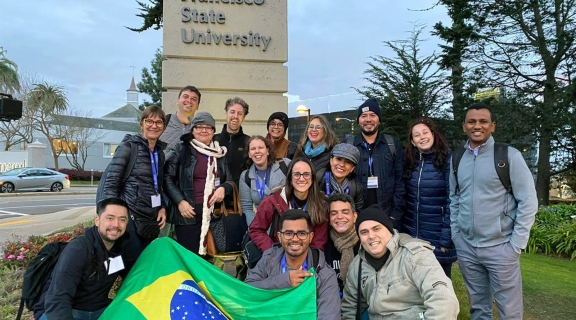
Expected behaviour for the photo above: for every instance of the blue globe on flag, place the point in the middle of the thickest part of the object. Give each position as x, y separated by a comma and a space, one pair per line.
189, 302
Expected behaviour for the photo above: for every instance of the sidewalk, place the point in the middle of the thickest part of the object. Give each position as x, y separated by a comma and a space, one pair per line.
71, 190
44, 224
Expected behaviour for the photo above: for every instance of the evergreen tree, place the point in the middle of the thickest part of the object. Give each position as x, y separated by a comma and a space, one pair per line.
151, 83
151, 14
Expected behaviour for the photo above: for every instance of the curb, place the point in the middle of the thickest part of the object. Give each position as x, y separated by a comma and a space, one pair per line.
44, 193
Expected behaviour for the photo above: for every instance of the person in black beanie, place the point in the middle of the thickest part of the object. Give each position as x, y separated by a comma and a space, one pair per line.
380, 168
277, 125
411, 282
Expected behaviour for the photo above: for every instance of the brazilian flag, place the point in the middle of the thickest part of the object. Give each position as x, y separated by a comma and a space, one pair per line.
169, 282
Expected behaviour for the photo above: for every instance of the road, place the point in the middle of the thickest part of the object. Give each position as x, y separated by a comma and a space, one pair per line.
24, 206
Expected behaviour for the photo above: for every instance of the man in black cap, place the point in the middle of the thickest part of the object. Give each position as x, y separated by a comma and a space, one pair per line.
380, 167
398, 276
277, 125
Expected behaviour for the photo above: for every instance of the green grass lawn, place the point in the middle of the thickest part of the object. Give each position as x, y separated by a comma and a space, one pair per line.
549, 286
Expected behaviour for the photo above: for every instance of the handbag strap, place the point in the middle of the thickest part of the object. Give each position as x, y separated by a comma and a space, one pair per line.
359, 292
235, 199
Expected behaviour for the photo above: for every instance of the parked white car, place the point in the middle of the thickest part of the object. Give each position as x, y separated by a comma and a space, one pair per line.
32, 179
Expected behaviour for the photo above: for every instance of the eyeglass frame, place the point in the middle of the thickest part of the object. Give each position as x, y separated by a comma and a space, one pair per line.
149, 122
204, 128
276, 124
295, 234
317, 127
300, 175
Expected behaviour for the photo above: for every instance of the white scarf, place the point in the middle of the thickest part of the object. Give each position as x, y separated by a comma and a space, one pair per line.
213, 151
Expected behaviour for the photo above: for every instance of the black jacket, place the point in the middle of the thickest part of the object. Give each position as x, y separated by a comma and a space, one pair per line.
80, 280
320, 162
178, 173
356, 192
139, 187
237, 145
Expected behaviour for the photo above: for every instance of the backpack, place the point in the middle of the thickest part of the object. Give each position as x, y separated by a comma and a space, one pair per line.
127, 171
40, 270
283, 168
389, 141
168, 116
500, 163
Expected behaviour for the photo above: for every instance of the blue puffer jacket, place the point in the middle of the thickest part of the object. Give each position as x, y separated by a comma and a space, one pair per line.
427, 215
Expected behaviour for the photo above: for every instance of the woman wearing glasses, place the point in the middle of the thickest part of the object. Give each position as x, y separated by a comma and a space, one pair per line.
141, 188
300, 192
277, 125
195, 176
427, 174
264, 174
316, 143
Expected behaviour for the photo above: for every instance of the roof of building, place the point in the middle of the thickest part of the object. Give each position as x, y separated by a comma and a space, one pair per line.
127, 111
96, 123
132, 86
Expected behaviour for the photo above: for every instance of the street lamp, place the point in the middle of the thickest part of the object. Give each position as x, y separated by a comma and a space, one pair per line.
302, 109
349, 120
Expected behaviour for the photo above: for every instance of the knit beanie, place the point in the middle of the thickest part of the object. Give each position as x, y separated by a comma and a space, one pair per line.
346, 151
280, 116
370, 105
375, 213
203, 118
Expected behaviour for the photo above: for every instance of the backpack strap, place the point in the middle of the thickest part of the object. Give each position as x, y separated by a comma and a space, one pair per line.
456, 157
247, 179
502, 165
359, 291
168, 116
316, 259
391, 144
283, 166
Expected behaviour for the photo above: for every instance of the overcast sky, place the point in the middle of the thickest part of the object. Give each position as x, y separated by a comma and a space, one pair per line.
85, 47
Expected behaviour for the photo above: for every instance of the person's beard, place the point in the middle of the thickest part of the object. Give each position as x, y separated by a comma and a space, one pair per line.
369, 133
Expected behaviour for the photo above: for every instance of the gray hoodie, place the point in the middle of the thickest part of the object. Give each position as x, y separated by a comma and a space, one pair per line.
268, 275
483, 212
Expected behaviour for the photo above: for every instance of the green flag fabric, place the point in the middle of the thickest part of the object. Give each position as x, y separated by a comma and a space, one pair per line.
169, 282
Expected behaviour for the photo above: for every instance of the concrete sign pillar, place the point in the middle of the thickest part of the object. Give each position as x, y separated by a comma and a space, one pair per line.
227, 48
36, 154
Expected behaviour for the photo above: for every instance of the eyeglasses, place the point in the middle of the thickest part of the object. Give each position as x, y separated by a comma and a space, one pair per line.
158, 123
204, 128
288, 235
297, 175
276, 124
317, 127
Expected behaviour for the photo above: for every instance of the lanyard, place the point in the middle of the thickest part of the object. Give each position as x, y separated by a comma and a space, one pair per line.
154, 162
327, 179
285, 267
294, 205
370, 159
260, 188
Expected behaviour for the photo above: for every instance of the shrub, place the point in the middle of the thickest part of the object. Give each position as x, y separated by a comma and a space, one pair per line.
76, 175
554, 231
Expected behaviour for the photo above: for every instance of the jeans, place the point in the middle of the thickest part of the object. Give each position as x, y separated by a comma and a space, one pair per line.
81, 314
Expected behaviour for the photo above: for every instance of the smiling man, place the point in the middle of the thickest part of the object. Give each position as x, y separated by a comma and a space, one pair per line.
490, 224
232, 137
88, 267
380, 167
343, 243
178, 123
288, 265
395, 275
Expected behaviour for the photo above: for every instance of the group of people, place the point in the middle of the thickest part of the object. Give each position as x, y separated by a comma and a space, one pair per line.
379, 224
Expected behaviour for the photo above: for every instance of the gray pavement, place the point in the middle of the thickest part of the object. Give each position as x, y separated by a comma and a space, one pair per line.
25, 226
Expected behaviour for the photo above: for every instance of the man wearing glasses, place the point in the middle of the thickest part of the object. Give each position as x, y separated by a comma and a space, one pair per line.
277, 125
289, 265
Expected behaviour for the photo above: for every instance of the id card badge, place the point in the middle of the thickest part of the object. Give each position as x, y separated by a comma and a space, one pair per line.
114, 265
216, 183
156, 202
372, 182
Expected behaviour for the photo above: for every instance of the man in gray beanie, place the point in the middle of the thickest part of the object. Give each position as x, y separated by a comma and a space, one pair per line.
419, 288
380, 167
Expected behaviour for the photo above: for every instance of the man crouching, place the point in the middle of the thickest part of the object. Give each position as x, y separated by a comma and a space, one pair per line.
398, 276
288, 265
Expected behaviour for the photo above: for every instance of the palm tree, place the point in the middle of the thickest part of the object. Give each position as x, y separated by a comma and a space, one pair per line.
9, 82
45, 101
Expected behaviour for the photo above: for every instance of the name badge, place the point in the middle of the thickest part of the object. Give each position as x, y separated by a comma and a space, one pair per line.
216, 183
114, 265
372, 182
156, 202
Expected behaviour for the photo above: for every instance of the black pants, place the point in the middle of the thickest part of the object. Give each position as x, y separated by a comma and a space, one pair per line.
188, 236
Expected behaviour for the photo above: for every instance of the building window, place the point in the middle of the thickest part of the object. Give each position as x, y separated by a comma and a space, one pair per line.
110, 149
65, 147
